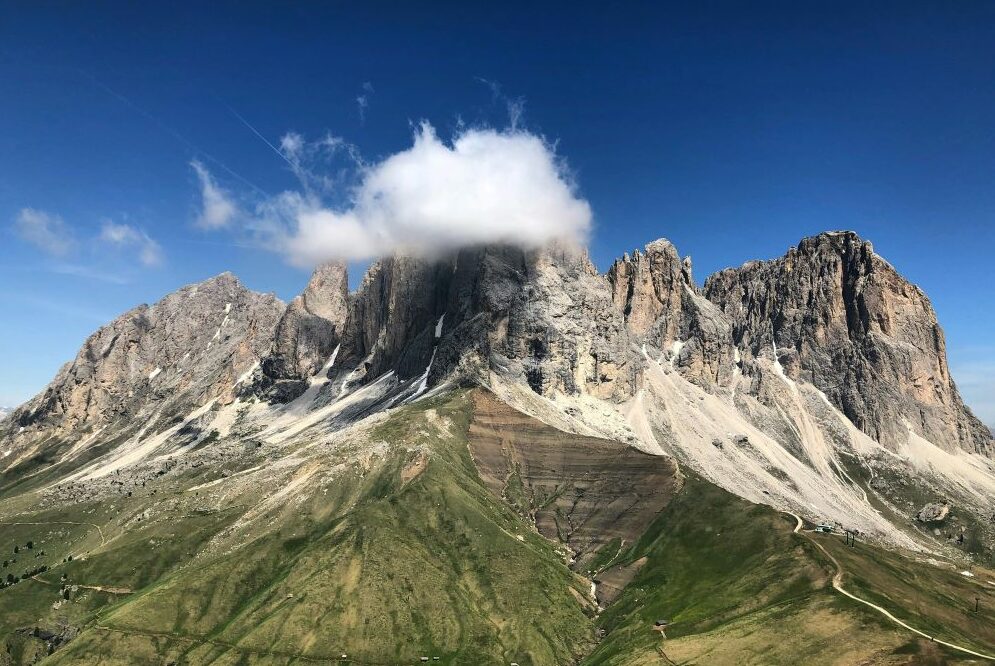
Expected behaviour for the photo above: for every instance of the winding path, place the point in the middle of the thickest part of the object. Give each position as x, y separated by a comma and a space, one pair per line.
838, 586
98, 588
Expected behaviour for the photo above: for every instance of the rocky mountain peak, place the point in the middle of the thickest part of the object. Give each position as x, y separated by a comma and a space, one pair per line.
307, 334
188, 347
657, 295
860, 332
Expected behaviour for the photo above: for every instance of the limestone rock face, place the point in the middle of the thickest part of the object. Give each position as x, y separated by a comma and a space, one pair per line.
765, 382
561, 328
307, 333
545, 317
392, 315
858, 331
189, 348
662, 305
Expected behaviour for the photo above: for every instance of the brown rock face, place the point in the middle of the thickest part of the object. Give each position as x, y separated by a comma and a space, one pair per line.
649, 287
186, 349
582, 491
852, 326
662, 305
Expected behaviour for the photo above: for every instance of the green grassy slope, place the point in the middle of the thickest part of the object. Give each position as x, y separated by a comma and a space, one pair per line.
939, 601
739, 588
411, 557
404, 552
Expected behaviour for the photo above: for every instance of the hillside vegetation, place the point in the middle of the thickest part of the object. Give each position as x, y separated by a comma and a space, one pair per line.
387, 546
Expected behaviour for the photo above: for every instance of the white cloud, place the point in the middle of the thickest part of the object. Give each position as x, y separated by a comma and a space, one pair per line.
46, 231
363, 101
127, 236
217, 208
484, 186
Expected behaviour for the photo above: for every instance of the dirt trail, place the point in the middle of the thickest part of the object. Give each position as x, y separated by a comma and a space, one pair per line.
838, 586
798, 526
98, 588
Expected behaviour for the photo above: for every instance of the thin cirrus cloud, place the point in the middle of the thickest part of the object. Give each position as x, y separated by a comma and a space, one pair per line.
483, 186
125, 236
46, 231
363, 101
52, 235
217, 209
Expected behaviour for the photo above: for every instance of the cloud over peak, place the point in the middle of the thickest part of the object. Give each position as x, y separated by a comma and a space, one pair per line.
483, 186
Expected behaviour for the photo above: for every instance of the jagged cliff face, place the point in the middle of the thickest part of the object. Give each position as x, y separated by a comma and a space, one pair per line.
663, 306
640, 355
188, 348
841, 318
543, 316
307, 334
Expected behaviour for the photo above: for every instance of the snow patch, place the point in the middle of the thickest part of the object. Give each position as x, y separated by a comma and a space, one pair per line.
315, 384
154, 373
675, 351
248, 373
779, 369
331, 359
227, 308
423, 382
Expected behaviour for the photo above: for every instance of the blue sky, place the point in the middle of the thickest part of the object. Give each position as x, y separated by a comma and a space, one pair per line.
732, 129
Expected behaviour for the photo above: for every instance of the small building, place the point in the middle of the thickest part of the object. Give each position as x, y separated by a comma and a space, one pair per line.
824, 527
660, 625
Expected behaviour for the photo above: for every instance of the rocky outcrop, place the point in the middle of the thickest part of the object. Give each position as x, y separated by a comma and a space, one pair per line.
190, 347
933, 513
544, 317
306, 335
662, 306
392, 317
839, 316
561, 329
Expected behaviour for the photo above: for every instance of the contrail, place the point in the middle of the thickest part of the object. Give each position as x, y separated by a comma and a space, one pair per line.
262, 138
173, 132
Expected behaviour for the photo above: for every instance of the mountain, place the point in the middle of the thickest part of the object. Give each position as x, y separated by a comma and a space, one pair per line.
4, 411
839, 316
501, 455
